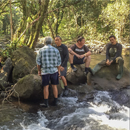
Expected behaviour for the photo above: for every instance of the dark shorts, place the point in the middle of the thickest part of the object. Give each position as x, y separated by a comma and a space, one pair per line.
76, 60
50, 77
63, 73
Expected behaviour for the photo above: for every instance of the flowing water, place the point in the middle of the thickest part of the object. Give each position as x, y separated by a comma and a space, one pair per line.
105, 111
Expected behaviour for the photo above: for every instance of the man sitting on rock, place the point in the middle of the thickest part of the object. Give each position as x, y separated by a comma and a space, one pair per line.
64, 59
80, 54
113, 55
48, 64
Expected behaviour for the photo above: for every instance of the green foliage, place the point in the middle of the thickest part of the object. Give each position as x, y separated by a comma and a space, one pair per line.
9, 48
94, 19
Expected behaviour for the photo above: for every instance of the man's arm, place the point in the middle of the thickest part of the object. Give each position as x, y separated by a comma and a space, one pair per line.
119, 51
65, 49
39, 70
73, 53
58, 61
38, 61
58, 70
88, 53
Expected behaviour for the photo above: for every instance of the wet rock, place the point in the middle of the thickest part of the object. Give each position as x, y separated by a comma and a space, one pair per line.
3, 94
78, 76
6, 70
4, 84
121, 96
24, 62
71, 93
105, 79
84, 89
86, 97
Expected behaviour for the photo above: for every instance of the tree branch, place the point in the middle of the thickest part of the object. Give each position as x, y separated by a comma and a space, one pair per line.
64, 6
4, 6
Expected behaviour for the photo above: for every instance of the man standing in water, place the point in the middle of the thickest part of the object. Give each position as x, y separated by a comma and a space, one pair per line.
64, 59
113, 56
48, 63
80, 54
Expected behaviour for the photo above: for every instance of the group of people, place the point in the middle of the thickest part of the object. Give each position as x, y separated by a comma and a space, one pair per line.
52, 62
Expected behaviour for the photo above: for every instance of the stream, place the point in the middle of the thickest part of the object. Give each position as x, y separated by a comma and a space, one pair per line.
107, 110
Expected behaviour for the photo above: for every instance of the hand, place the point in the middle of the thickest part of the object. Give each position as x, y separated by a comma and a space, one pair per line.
39, 73
78, 56
108, 62
111, 61
82, 56
61, 68
69, 49
59, 74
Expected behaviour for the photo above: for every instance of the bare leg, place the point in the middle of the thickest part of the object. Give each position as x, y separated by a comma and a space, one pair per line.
71, 57
87, 61
55, 91
46, 92
64, 80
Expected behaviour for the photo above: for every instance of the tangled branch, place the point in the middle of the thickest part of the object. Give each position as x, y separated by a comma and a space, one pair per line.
9, 91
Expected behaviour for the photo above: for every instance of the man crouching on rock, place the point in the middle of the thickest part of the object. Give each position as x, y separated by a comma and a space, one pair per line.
48, 63
79, 54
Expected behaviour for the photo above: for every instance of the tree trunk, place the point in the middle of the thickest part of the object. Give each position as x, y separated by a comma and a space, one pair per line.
52, 33
44, 7
11, 24
23, 22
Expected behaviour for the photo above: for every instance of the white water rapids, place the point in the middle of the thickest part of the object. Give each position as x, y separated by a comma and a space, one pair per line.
101, 114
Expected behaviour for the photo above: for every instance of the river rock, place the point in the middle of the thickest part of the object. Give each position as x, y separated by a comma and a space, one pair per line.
24, 62
30, 88
77, 77
6, 70
105, 79
4, 85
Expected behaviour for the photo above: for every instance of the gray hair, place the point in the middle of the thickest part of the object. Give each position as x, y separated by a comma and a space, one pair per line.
48, 40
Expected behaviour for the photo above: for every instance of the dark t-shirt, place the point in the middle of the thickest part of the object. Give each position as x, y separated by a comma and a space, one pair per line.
64, 54
117, 49
80, 51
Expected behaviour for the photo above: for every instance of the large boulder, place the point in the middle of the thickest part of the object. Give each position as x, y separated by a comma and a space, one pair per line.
105, 78
24, 62
30, 88
77, 77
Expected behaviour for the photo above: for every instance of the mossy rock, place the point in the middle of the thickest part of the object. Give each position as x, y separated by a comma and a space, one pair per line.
24, 62
29, 88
